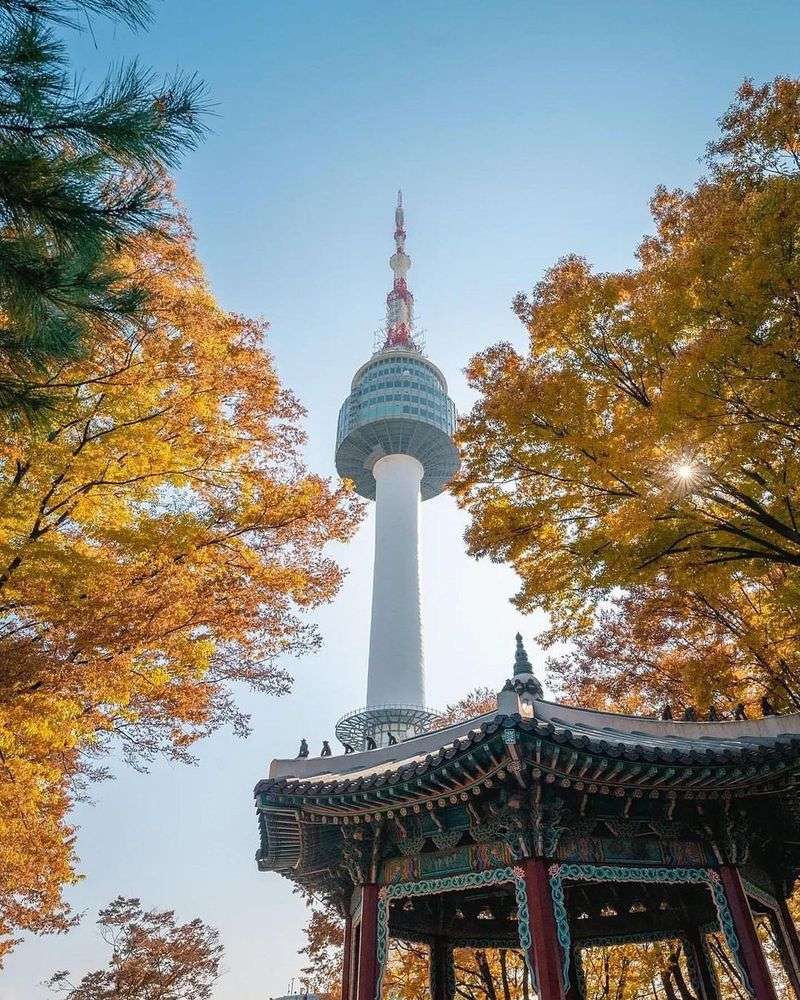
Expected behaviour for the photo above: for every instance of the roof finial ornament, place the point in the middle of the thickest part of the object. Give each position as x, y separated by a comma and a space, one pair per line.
521, 691
523, 672
522, 665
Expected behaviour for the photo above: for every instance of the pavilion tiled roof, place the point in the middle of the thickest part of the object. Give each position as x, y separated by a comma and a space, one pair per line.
305, 805
759, 742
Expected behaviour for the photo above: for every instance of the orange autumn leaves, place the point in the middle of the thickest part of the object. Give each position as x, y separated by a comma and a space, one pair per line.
638, 465
160, 540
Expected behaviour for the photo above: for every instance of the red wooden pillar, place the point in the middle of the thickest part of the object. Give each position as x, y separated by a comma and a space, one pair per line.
787, 929
752, 955
546, 957
347, 961
367, 971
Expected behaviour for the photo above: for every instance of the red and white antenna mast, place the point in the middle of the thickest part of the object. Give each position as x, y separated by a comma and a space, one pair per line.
400, 301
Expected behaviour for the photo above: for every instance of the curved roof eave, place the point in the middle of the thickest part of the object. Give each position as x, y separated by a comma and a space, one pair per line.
631, 737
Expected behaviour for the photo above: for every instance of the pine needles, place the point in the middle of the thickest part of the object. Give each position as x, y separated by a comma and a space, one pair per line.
82, 172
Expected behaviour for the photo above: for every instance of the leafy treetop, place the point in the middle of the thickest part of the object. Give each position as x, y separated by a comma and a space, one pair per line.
153, 957
638, 466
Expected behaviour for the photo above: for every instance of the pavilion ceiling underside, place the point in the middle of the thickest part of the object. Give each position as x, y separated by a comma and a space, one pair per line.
607, 910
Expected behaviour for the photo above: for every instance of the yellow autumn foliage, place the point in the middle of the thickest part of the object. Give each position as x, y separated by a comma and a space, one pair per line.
638, 466
159, 541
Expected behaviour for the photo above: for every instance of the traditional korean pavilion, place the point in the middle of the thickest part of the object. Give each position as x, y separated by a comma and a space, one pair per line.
549, 829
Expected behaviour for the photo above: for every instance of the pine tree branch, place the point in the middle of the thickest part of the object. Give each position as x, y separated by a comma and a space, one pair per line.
134, 13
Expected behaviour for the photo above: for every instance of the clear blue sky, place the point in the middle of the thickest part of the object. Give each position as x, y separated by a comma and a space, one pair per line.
518, 131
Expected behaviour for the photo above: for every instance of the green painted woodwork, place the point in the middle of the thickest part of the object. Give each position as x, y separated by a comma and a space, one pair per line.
615, 873
453, 883
472, 858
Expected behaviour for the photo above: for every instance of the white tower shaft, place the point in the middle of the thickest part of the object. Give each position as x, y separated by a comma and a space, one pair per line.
396, 665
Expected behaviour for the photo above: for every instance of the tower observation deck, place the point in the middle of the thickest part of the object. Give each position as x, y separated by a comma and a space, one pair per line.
394, 440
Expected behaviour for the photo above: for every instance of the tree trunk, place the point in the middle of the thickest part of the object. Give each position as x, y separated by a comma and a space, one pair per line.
728, 968
482, 964
677, 974
623, 979
669, 989
504, 973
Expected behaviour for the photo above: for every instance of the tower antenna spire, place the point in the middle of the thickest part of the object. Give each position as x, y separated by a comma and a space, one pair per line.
400, 301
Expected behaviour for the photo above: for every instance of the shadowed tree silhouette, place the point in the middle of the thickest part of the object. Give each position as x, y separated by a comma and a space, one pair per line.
153, 957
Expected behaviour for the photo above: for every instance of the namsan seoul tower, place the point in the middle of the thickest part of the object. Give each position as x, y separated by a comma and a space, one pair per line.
395, 441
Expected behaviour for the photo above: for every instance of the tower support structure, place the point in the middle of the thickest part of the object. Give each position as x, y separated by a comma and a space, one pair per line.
396, 670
